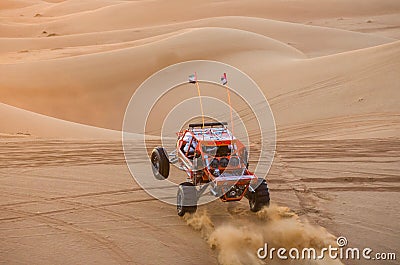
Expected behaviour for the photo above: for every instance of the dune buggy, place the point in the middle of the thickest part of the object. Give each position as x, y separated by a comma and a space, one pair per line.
214, 160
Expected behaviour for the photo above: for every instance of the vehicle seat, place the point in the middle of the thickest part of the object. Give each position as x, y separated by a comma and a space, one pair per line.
191, 153
183, 146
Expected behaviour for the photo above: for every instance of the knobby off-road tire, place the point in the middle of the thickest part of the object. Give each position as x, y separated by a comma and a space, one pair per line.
259, 198
160, 163
186, 199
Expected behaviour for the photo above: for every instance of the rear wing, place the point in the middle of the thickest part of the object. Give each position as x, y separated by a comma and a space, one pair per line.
207, 124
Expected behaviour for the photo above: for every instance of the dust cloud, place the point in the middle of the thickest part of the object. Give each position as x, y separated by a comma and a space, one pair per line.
242, 233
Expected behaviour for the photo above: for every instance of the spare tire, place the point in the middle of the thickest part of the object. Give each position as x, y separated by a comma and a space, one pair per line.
214, 163
224, 162
234, 161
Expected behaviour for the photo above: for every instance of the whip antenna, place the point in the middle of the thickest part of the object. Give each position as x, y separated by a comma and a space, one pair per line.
193, 80
224, 82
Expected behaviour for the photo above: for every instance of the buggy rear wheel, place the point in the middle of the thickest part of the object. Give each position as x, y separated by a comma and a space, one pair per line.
259, 198
186, 199
160, 163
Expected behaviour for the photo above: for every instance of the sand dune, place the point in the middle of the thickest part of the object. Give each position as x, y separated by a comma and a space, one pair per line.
134, 14
17, 123
86, 87
329, 70
325, 40
77, 59
353, 78
360, 85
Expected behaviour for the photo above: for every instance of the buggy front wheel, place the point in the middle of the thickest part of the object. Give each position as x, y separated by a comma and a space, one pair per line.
259, 198
160, 163
186, 198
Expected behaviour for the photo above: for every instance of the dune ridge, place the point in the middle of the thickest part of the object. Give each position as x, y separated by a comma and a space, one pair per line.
25, 123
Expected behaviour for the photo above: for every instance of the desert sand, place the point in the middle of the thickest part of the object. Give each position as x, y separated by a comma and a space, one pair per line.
329, 70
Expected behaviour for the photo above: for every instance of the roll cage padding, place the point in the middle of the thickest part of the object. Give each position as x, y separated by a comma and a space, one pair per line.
207, 124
